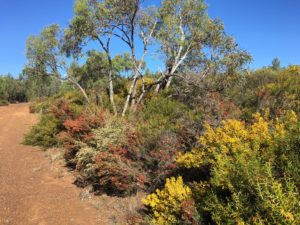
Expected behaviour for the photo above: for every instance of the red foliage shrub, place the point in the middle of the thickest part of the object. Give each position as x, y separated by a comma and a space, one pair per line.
189, 214
118, 175
160, 161
217, 108
104, 153
162, 165
70, 148
78, 129
62, 110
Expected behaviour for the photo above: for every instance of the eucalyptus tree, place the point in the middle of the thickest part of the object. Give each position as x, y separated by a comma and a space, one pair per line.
93, 21
224, 56
45, 59
276, 64
101, 21
189, 37
147, 25
92, 75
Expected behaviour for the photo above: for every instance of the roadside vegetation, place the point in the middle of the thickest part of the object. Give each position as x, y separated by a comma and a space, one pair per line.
11, 90
230, 154
208, 140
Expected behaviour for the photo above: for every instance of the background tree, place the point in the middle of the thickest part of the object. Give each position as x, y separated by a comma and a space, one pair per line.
192, 41
92, 22
45, 60
39, 85
11, 89
92, 75
276, 64
101, 21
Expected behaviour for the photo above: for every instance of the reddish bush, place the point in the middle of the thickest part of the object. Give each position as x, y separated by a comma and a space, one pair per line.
105, 153
62, 110
161, 165
189, 214
218, 109
159, 162
118, 175
81, 127
119, 167
78, 129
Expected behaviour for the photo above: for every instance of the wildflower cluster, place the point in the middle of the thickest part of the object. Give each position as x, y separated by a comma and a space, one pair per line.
251, 176
166, 203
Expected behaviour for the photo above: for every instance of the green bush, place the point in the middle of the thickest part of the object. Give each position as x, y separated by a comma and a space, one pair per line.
54, 112
266, 88
40, 105
160, 115
44, 133
4, 102
44, 105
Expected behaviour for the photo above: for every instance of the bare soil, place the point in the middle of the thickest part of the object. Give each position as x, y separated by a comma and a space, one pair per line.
31, 192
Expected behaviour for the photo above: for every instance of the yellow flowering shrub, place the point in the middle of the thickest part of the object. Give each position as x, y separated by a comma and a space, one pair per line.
250, 166
292, 70
234, 136
166, 203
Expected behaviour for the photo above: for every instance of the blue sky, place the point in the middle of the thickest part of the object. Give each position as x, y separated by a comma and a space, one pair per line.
265, 28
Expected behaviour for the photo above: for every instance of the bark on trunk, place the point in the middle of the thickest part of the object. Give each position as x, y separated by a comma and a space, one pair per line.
169, 81
111, 92
133, 85
81, 89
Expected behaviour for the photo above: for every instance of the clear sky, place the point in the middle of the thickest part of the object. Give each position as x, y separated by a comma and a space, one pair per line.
265, 28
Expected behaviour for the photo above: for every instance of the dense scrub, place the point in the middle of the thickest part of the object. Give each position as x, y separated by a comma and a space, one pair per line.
276, 90
243, 169
241, 172
115, 155
211, 142
250, 176
11, 90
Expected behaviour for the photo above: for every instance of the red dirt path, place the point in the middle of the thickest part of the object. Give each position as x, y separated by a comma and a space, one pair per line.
30, 194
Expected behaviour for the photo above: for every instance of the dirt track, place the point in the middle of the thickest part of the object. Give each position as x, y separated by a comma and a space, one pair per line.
29, 191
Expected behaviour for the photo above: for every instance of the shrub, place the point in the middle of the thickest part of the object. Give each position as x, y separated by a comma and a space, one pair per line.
73, 100
167, 204
40, 106
292, 70
53, 116
266, 88
80, 127
251, 173
79, 130
118, 175
3, 102
160, 115
160, 162
164, 125
44, 133
111, 159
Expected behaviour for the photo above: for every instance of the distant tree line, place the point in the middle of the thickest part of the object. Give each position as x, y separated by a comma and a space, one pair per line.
11, 89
